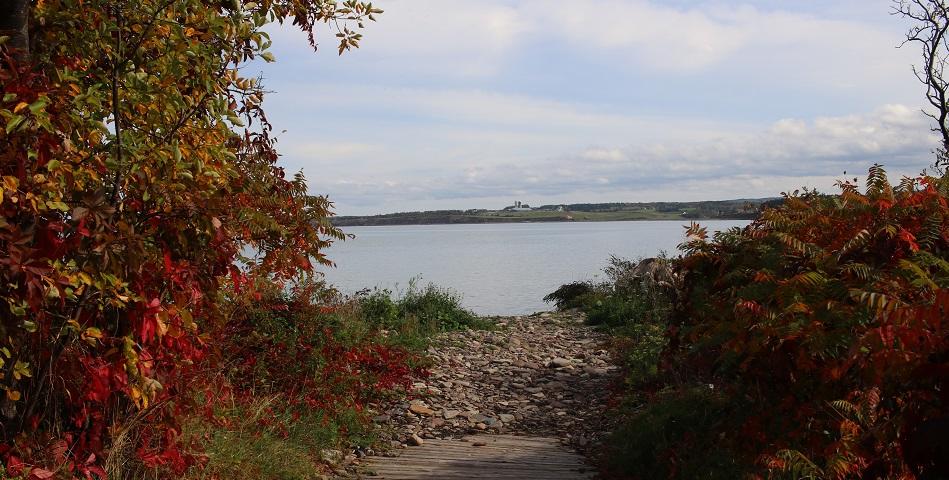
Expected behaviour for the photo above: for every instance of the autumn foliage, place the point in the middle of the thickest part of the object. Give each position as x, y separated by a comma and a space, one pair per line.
819, 337
136, 167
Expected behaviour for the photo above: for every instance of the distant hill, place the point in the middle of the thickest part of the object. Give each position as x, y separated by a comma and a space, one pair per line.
744, 208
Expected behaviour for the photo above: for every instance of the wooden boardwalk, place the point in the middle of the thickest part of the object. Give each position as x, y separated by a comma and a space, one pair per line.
482, 457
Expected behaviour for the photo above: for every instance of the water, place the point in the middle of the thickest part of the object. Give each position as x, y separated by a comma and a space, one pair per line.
500, 269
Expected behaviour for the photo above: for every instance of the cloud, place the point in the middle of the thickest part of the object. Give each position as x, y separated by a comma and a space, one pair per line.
788, 154
460, 38
654, 35
451, 102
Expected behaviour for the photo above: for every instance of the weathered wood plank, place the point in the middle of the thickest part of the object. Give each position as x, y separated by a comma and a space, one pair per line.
501, 457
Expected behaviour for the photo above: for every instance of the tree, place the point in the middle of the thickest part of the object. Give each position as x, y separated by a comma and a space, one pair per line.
136, 164
932, 22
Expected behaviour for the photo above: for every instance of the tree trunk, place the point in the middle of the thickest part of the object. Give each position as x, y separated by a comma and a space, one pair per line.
14, 22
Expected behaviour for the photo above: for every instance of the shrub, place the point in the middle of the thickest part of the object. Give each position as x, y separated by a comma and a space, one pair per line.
292, 374
666, 438
633, 305
822, 324
571, 295
136, 162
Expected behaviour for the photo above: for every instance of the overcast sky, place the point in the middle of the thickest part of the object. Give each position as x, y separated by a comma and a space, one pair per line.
477, 103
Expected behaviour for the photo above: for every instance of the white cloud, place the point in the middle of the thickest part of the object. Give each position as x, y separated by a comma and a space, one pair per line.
425, 115
655, 35
742, 163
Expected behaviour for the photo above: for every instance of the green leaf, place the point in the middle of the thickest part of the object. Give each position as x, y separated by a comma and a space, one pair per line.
39, 105
14, 122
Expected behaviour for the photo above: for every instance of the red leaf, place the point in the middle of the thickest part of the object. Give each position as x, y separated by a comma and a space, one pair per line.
41, 474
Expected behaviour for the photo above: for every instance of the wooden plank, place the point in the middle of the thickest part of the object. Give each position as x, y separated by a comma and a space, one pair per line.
481, 452
484, 473
480, 474
503, 458
481, 463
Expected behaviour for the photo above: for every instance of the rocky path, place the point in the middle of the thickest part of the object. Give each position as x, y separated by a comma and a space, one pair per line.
544, 376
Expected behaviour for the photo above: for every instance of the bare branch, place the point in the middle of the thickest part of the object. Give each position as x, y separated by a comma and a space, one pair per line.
932, 17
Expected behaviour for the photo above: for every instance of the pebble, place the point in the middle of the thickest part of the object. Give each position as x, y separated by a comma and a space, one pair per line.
545, 375
419, 409
559, 362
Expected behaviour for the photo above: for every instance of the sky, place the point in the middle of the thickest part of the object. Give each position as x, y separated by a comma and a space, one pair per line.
457, 104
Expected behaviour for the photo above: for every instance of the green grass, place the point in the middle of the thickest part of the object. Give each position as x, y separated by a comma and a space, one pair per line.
247, 449
418, 312
585, 216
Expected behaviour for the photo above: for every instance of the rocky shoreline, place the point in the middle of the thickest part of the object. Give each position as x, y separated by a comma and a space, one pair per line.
546, 374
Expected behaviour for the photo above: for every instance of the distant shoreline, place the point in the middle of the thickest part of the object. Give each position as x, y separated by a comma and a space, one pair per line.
740, 209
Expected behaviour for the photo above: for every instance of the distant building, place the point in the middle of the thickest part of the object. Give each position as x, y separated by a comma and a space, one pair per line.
518, 207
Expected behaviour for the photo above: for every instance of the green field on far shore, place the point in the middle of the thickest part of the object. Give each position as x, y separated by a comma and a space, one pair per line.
588, 212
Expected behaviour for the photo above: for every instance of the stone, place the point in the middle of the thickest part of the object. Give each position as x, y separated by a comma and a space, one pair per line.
420, 409
332, 457
559, 362
450, 414
549, 375
415, 441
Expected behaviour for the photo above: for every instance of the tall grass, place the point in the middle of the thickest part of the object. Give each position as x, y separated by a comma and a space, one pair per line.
417, 311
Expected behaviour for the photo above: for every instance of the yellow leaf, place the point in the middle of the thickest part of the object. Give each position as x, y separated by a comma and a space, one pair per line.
13, 395
21, 369
162, 321
11, 183
91, 334
20, 107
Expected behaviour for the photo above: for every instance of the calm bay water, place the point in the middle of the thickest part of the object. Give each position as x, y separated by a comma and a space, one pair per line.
502, 269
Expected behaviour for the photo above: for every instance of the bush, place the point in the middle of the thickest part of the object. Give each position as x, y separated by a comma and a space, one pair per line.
665, 440
136, 162
633, 305
292, 375
571, 295
822, 327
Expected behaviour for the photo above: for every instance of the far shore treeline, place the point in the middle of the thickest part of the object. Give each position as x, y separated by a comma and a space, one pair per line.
739, 209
